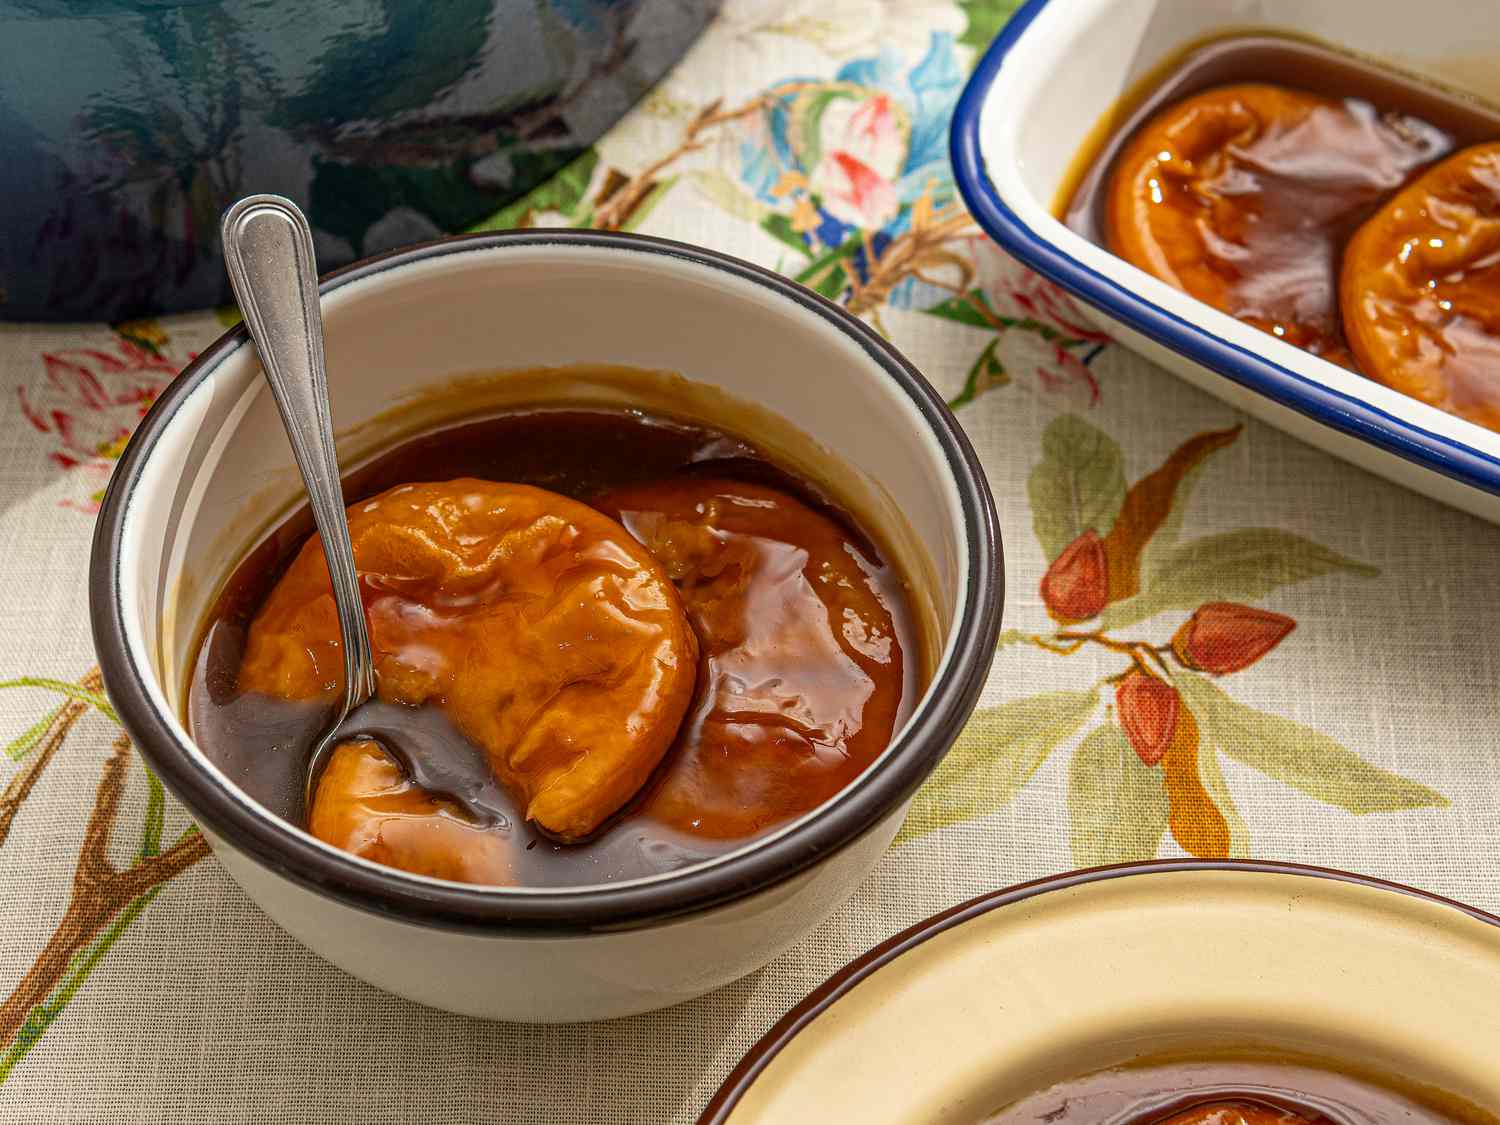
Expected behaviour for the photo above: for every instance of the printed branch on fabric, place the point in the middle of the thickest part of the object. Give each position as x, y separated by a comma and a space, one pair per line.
1151, 764
38, 743
850, 175
104, 899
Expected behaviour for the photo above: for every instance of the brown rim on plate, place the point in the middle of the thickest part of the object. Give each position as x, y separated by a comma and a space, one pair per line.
844, 818
750, 1067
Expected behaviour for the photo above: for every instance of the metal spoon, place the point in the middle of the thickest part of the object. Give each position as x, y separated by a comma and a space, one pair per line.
268, 251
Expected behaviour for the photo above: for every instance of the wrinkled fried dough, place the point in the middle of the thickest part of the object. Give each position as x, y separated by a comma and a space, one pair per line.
545, 631
1241, 196
801, 678
1238, 1112
1421, 288
366, 805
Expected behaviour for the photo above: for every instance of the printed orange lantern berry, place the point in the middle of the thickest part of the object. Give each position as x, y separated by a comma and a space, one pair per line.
1148, 709
1225, 636
1076, 585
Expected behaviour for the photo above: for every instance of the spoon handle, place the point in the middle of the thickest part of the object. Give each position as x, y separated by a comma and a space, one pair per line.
268, 251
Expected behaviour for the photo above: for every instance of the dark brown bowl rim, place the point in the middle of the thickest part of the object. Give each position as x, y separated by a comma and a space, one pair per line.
755, 1060
497, 911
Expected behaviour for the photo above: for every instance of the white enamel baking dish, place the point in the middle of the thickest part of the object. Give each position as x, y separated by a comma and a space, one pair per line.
1060, 65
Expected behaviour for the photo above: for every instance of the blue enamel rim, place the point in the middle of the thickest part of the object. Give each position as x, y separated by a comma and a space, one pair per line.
1279, 384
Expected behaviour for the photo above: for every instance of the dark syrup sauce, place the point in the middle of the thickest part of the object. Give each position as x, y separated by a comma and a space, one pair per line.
263, 744
1234, 1092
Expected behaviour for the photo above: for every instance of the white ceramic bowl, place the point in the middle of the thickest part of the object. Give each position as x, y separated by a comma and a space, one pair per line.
1054, 72
210, 466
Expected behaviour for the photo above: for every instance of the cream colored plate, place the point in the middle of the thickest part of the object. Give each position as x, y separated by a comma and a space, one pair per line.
1010, 993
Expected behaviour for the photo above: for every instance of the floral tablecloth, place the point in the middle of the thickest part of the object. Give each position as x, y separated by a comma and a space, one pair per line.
1283, 656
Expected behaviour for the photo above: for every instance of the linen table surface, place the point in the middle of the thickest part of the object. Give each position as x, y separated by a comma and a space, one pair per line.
1333, 637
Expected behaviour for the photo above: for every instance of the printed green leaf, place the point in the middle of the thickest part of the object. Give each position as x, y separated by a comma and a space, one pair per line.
825, 273
1237, 566
728, 196
779, 227
831, 284
25, 742
1078, 484
1012, 637
156, 814
994, 757
1299, 756
962, 310
986, 374
1117, 805
72, 691
986, 18
562, 193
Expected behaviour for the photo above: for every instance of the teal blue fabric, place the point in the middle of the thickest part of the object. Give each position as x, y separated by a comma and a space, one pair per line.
127, 126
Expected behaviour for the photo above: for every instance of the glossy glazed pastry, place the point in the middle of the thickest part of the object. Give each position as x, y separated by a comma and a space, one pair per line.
802, 672
366, 805
548, 635
1420, 288
1242, 196
1237, 1113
